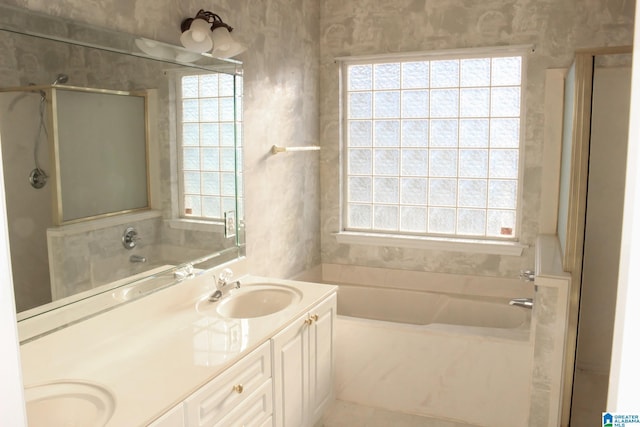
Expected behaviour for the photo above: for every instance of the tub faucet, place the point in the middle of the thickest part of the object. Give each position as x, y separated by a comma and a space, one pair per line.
137, 258
522, 302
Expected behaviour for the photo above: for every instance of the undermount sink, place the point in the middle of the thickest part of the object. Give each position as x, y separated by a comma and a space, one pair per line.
68, 403
255, 300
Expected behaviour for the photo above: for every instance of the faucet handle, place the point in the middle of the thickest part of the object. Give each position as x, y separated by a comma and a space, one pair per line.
225, 276
527, 275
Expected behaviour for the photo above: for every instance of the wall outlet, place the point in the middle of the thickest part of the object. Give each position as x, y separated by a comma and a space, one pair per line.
229, 224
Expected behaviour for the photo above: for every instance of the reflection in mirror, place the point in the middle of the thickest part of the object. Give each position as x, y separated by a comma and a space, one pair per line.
188, 175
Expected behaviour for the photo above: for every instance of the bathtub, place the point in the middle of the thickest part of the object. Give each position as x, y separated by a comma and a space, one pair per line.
439, 355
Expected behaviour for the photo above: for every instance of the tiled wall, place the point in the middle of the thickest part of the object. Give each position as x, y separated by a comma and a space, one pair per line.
366, 27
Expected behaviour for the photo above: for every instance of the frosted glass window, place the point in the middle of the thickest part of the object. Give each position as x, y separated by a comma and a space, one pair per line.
474, 133
190, 134
209, 134
503, 164
445, 73
505, 102
432, 145
506, 71
415, 133
503, 193
501, 223
505, 133
360, 216
209, 119
360, 162
415, 75
360, 189
415, 162
386, 162
191, 159
475, 72
387, 133
474, 164
445, 102
360, 133
360, 105
386, 76
444, 133
386, 190
442, 192
413, 191
415, 104
472, 222
443, 163
474, 102
208, 86
413, 219
385, 217
442, 220
472, 193
360, 77
387, 105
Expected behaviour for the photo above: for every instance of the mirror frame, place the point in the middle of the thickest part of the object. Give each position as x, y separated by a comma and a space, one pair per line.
34, 24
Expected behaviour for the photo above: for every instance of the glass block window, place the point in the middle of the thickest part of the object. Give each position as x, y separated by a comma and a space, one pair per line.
208, 131
433, 146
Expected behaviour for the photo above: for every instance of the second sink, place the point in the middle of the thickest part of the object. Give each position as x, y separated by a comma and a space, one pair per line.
255, 300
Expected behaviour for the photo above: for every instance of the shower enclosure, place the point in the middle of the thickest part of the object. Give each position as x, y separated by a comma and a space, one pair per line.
70, 154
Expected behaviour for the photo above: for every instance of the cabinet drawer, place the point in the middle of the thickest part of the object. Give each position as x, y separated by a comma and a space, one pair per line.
207, 406
255, 411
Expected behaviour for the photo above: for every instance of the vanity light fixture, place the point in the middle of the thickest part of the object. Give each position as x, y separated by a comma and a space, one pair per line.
207, 31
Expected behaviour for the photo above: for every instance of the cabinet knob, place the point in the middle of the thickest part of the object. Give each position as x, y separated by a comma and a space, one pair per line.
238, 388
308, 321
315, 317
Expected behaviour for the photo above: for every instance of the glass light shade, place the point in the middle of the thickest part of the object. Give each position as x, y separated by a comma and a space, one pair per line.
196, 38
233, 49
221, 38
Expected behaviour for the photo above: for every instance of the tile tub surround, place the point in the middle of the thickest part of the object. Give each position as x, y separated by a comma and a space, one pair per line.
154, 352
452, 357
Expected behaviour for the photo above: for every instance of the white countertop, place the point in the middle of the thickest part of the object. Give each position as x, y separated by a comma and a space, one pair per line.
154, 352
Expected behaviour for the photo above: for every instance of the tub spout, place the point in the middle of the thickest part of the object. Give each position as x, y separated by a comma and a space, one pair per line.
137, 258
522, 302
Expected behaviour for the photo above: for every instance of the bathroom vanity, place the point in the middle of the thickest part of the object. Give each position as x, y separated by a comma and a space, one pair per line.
262, 356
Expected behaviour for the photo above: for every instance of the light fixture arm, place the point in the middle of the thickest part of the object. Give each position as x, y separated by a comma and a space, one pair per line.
210, 17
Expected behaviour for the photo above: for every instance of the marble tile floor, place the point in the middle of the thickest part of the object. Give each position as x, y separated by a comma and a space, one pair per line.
346, 414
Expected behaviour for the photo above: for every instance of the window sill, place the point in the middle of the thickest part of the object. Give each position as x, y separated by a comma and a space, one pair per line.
196, 225
492, 247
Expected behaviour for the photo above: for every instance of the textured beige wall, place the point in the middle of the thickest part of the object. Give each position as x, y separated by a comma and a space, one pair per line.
280, 107
364, 27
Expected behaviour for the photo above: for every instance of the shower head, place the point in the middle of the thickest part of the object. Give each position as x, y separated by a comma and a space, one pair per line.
60, 79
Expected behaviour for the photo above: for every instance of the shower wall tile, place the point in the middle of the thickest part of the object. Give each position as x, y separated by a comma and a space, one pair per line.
367, 27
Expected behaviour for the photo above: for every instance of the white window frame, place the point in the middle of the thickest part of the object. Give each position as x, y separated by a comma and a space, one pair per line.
488, 245
182, 220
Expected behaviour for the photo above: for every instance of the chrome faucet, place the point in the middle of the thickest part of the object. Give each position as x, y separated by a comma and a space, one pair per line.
223, 283
137, 258
522, 302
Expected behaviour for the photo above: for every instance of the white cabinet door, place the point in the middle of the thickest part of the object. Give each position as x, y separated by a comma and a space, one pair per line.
303, 367
291, 374
173, 418
321, 358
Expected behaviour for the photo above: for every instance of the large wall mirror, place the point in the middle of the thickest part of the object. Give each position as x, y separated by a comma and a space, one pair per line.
175, 131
